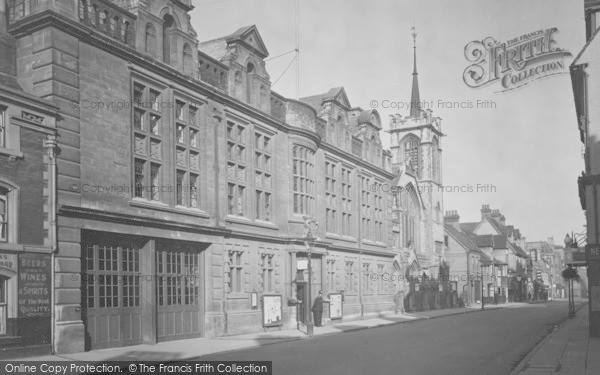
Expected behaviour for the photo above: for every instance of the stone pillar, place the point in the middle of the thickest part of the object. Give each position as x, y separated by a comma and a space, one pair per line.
48, 65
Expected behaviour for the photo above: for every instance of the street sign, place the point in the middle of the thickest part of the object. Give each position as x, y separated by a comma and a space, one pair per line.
592, 252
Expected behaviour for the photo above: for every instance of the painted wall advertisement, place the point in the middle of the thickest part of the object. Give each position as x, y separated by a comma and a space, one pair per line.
34, 285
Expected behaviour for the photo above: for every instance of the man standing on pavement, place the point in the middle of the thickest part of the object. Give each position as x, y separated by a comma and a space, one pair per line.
317, 309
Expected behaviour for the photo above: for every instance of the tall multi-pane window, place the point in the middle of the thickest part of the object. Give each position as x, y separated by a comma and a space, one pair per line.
331, 284
346, 185
236, 169
330, 197
366, 276
378, 212
2, 127
349, 272
236, 271
148, 139
267, 268
262, 178
187, 152
3, 214
380, 278
366, 206
303, 179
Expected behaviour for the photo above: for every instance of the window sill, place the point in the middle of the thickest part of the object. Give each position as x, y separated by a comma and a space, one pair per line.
154, 205
11, 246
340, 237
374, 243
190, 211
11, 153
245, 221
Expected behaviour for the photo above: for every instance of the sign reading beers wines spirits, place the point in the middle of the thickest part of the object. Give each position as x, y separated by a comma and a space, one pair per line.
34, 285
514, 63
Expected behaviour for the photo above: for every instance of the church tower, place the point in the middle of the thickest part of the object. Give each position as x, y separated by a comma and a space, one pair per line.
416, 152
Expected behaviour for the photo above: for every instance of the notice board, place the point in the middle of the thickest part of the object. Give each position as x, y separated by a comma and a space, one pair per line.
335, 306
272, 310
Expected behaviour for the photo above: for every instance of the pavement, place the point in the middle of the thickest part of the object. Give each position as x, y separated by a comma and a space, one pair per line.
567, 350
186, 349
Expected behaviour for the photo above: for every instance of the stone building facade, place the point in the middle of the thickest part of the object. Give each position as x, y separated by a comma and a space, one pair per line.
585, 71
183, 181
27, 209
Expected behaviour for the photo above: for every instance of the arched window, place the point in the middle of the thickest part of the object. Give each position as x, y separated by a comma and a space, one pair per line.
410, 217
238, 85
82, 10
150, 39
222, 81
102, 19
263, 97
187, 59
411, 153
249, 70
114, 27
92, 14
125, 31
168, 25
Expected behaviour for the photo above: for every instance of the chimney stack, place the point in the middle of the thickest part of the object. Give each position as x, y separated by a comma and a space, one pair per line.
496, 215
485, 211
502, 220
452, 218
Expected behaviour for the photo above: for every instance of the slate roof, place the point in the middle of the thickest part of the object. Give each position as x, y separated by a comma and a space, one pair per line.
484, 240
10, 81
501, 241
468, 227
461, 237
316, 101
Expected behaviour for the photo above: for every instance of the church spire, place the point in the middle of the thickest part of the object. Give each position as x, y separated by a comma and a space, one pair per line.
415, 98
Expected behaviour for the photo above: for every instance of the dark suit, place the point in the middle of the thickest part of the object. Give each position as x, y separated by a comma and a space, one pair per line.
317, 309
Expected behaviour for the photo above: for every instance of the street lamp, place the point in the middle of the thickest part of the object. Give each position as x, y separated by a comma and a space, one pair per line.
311, 226
482, 303
569, 243
520, 288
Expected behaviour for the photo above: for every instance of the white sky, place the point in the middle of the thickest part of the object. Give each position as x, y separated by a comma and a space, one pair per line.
527, 147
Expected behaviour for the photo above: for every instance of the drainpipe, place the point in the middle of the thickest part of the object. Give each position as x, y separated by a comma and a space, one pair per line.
360, 247
469, 277
51, 144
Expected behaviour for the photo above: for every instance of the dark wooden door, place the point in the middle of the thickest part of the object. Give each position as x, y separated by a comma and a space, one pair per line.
179, 283
111, 292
